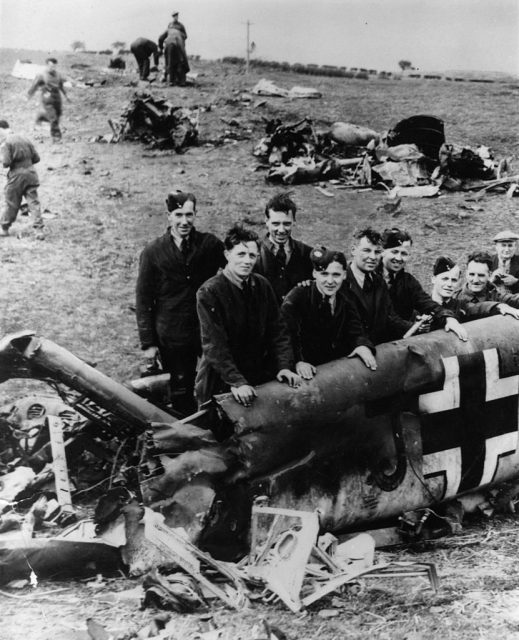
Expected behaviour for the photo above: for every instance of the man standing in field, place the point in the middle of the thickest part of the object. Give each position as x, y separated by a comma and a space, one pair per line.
143, 49
51, 84
173, 43
244, 341
283, 260
171, 270
19, 156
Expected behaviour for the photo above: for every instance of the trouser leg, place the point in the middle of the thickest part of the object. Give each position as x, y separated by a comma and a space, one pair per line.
53, 113
13, 192
33, 201
145, 69
180, 363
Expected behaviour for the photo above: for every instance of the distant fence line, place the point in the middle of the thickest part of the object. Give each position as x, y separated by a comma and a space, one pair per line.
360, 73
343, 72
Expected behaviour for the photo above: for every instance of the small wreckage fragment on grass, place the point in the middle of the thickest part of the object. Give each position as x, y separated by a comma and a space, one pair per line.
157, 123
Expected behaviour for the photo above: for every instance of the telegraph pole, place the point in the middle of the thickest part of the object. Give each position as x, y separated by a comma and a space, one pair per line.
248, 47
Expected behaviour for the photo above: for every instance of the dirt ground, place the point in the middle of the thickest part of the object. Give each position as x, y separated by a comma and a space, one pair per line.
104, 202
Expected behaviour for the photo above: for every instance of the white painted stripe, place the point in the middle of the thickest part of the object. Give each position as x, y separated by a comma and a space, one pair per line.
495, 447
449, 397
449, 462
498, 387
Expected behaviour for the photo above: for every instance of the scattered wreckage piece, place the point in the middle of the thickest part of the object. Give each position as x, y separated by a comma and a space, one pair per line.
157, 123
268, 88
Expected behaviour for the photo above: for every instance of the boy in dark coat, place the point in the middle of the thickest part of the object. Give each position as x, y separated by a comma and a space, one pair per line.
283, 260
324, 325
244, 342
171, 270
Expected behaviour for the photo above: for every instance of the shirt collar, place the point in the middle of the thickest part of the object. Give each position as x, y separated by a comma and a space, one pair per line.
272, 246
178, 239
233, 278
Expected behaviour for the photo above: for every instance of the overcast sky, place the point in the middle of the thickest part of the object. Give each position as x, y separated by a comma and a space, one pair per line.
433, 34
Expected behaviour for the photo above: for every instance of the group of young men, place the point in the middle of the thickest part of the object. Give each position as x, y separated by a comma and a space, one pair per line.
229, 316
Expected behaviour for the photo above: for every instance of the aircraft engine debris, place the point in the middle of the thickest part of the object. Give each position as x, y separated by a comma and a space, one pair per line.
157, 123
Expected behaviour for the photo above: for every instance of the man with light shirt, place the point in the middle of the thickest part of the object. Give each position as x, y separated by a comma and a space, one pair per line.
505, 263
446, 282
407, 294
172, 268
244, 341
282, 260
323, 323
478, 286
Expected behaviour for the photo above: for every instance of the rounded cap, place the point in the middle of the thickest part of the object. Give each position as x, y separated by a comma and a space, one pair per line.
322, 257
176, 200
442, 264
507, 235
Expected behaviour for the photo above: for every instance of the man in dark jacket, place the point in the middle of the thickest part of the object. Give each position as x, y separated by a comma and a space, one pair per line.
324, 325
446, 279
407, 294
172, 42
176, 24
369, 292
283, 260
142, 49
171, 270
478, 287
505, 263
244, 341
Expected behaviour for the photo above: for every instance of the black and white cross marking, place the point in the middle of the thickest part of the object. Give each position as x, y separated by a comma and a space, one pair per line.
469, 424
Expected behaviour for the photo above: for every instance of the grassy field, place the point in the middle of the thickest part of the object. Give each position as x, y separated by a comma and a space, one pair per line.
104, 202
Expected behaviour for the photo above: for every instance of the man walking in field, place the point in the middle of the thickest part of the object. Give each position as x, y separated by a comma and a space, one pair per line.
50, 82
19, 156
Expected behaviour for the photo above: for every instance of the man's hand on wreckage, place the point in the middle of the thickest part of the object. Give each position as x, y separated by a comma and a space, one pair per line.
291, 378
366, 356
507, 310
244, 394
424, 321
451, 324
305, 370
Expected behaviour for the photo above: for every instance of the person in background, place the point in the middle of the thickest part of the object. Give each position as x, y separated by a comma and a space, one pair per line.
176, 24
505, 262
19, 156
51, 84
171, 269
143, 49
324, 325
283, 260
244, 341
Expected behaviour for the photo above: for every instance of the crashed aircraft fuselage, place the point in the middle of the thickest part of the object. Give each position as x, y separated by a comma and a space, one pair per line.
438, 418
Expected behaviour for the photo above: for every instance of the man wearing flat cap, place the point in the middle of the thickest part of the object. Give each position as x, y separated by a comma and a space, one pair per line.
172, 268
324, 324
505, 263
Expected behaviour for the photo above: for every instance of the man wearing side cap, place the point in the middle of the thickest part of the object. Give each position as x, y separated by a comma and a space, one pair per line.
172, 268
324, 324
446, 280
283, 260
505, 263
406, 292
176, 24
